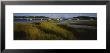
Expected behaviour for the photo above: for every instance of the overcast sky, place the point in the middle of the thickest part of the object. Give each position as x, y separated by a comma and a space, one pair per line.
56, 15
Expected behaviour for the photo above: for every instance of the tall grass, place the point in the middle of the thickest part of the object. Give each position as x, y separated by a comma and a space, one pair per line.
55, 29
30, 31
41, 31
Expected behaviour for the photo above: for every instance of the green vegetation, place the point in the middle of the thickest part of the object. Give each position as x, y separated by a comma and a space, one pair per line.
50, 30
41, 31
81, 33
83, 22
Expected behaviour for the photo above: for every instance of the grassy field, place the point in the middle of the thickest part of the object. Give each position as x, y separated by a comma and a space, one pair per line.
41, 31
48, 30
83, 22
81, 33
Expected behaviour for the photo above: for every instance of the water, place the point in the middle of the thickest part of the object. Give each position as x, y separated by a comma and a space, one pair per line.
28, 20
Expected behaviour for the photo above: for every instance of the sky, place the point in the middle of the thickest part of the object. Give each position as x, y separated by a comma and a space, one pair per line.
56, 15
